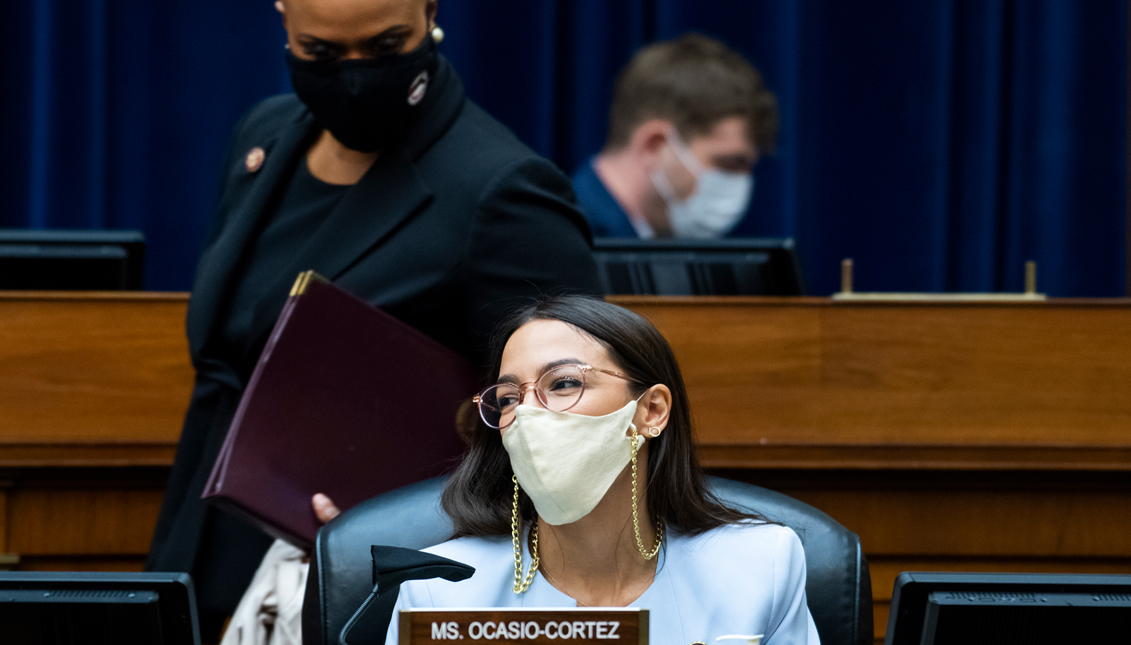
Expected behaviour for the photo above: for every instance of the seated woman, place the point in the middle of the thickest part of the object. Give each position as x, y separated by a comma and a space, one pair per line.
583, 489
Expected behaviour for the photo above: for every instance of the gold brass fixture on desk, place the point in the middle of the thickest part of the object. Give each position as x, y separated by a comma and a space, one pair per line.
847, 294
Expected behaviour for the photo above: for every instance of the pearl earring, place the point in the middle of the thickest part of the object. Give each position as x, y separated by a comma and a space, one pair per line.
437, 34
654, 431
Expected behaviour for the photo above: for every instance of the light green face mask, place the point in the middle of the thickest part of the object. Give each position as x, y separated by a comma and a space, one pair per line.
566, 462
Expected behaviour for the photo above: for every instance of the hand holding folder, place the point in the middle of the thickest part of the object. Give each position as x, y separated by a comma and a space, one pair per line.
324, 508
345, 400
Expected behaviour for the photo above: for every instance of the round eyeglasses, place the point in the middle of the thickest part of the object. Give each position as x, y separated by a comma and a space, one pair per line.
559, 389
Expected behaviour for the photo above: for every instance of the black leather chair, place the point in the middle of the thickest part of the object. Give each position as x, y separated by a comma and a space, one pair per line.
839, 589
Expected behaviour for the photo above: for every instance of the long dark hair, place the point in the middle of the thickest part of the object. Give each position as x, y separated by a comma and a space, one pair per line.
479, 494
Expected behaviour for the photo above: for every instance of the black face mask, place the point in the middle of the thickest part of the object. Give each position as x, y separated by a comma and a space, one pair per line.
365, 103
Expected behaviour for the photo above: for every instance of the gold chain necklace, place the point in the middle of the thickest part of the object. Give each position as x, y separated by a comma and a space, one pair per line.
519, 585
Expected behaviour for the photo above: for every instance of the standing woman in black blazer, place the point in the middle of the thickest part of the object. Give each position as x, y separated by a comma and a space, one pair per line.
380, 175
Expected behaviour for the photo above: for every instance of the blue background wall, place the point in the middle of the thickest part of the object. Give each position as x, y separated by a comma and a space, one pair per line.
941, 143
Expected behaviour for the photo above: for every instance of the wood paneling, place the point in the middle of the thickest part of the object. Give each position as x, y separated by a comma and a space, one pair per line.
934, 520
100, 521
3, 520
93, 375
803, 383
812, 383
82, 563
93, 388
1006, 523
951, 436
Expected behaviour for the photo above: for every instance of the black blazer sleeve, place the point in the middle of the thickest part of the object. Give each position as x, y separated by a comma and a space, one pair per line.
527, 240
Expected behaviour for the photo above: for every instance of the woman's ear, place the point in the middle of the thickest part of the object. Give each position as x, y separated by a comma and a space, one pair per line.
652, 412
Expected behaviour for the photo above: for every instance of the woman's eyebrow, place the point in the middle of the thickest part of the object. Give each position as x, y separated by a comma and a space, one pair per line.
546, 367
395, 30
307, 39
561, 361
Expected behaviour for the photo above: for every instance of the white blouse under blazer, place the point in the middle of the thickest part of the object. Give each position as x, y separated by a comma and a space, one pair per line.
737, 579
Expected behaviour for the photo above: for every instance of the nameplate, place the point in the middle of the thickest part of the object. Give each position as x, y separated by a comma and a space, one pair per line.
573, 626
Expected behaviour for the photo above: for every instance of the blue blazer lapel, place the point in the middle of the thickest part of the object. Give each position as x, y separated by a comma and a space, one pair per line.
219, 260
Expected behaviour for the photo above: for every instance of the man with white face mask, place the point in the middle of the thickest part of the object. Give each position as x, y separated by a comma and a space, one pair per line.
689, 120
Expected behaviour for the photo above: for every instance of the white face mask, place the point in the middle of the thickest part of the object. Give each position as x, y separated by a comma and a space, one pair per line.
720, 198
566, 462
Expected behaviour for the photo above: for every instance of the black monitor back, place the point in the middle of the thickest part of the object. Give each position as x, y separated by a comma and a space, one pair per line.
51, 260
86, 608
1009, 609
738, 266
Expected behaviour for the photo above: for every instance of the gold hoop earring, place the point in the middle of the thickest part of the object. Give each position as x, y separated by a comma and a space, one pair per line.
437, 34
519, 585
635, 518
654, 432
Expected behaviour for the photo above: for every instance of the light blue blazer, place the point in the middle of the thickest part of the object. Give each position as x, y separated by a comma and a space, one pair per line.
737, 579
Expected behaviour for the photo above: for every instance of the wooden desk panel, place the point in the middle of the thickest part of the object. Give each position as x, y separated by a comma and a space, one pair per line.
809, 383
1029, 521
949, 437
91, 521
774, 382
89, 379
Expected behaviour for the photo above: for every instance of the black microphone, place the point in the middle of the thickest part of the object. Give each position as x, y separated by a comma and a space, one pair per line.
392, 565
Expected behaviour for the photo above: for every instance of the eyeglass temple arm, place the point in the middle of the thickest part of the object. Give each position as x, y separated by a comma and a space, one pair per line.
610, 373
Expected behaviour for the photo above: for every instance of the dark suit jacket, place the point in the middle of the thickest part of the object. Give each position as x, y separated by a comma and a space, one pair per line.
447, 231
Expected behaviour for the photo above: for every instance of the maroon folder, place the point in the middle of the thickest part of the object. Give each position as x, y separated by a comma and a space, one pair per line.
346, 400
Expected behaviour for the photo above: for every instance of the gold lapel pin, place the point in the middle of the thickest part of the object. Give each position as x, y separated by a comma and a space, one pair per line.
254, 160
